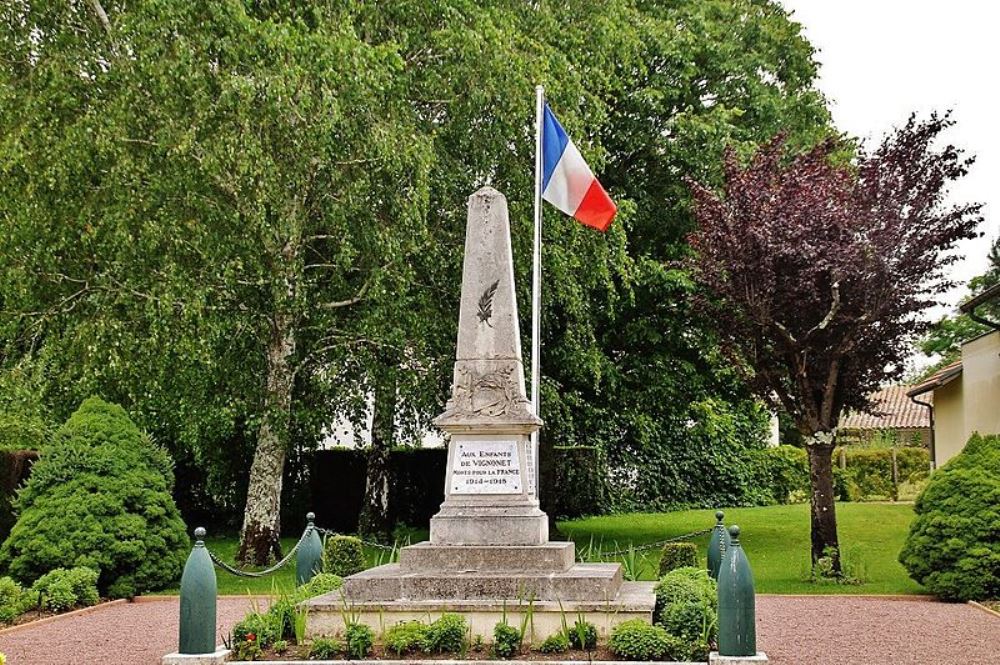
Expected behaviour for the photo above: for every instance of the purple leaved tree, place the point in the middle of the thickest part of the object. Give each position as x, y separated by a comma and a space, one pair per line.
817, 271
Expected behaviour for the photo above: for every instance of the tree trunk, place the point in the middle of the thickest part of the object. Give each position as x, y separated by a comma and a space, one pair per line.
374, 520
260, 535
823, 516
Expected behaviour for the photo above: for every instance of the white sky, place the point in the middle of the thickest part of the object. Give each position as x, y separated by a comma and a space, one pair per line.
880, 60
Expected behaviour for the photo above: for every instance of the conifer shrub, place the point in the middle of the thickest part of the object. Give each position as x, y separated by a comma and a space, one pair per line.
343, 555
953, 547
99, 496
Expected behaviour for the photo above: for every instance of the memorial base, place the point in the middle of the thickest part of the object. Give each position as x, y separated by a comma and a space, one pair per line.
715, 659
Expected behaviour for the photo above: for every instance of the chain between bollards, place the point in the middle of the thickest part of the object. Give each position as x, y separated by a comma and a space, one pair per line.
717, 545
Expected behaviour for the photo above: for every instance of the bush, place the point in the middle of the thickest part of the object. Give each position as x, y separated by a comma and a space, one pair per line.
446, 634
557, 643
784, 472
637, 640
583, 635
953, 547
10, 599
325, 649
360, 640
343, 555
99, 496
687, 604
61, 589
405, 637
678, 555
506, 640
318, 585
262, 627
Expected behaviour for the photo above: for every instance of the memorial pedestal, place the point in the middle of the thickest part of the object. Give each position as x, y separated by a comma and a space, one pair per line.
489, 554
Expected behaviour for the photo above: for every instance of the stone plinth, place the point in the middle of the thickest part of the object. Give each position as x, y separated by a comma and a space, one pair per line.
547, 557
634, 600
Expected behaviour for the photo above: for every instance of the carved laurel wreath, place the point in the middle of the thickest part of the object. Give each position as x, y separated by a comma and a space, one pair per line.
485, 312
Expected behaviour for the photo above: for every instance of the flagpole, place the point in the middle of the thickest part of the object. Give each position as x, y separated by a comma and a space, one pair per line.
536, 281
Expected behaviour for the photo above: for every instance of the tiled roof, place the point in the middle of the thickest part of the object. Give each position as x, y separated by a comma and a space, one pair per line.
891, 408
938, 379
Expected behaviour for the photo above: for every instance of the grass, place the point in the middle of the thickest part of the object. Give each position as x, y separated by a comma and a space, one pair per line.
776, 540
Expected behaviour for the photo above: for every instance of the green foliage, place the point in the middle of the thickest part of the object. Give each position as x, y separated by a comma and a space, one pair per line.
262, 626
868, 472
678, 555
248, 649
687, 604
325, 649
784, 472
405, 637
63, 589
953, 547
343, 555
446, 634
100, 497
637, 640
583, 635
10, 599
360, 639
280, 646
555, 643
506, 640
580, 483
320, 583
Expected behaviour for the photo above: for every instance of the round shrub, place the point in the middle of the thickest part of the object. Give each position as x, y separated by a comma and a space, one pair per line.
953, 547
405, 637
678, 555
360, 639
61, 589
325, 649
10, 599
687, 604
555, 643
506, 640
583, 635
446, 634
99, 496
637, 640
343, 555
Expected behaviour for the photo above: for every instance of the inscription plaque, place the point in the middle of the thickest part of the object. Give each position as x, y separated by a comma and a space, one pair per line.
486, 467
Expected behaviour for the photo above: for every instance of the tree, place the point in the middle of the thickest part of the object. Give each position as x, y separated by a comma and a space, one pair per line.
817, 271
946, 336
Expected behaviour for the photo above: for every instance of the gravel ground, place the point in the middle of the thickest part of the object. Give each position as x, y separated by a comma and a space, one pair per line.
824, 630
123, 634
793, 630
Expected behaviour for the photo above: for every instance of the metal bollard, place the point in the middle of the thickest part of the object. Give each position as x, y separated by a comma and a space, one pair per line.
309, 558
737, 631
198, 599
717, 545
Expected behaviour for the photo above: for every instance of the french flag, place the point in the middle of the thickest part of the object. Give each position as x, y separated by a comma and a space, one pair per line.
567, 181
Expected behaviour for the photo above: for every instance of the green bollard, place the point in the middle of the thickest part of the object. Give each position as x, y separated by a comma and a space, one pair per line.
717, 545
737, 630
309, 558
198, 597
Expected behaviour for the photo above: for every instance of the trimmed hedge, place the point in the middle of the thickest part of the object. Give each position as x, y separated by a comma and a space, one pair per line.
953, 547
678, 555
99, 496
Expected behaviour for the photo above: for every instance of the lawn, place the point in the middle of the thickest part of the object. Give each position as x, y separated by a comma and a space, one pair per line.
776, 540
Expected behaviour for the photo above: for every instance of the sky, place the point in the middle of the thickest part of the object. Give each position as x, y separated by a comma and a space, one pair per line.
881, 60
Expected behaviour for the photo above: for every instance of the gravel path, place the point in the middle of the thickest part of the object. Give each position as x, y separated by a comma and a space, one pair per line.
123, 634
793, 630
839, 630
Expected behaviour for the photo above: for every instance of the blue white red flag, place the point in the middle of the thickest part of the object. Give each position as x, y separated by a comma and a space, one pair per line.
567, 181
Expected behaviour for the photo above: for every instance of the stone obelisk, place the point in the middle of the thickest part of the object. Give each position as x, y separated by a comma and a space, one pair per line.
489, 485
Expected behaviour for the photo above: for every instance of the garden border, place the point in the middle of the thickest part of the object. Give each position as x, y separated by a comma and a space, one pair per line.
54, 617
988, 610
427, 661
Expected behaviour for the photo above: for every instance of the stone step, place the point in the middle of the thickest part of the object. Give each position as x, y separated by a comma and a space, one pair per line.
424, 557
635, 600
596, 581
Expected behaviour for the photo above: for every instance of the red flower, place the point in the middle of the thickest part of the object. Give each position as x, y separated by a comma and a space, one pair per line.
251, 637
